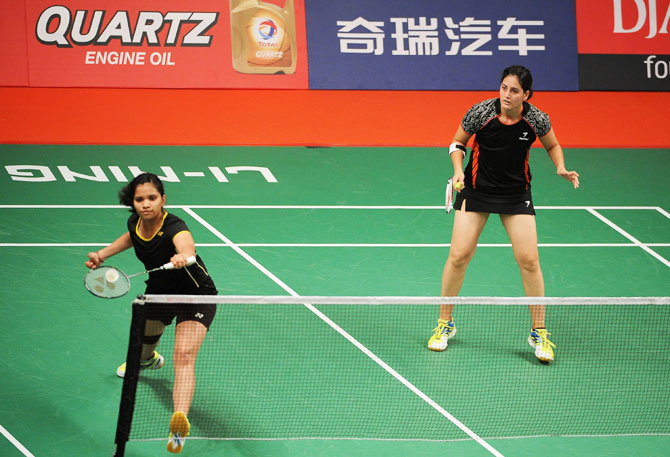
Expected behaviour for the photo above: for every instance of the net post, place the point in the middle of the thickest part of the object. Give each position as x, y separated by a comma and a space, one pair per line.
131, 377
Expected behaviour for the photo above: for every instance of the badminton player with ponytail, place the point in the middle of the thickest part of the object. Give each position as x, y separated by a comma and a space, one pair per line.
159, 237
497, 180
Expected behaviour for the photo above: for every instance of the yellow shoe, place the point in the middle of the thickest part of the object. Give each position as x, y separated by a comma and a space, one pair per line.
154, 363
179, 428
539, 339
442, 333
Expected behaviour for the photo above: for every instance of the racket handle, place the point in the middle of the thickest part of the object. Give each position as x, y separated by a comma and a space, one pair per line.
170, 266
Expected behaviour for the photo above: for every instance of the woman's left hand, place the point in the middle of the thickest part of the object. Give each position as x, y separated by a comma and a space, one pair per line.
571, 176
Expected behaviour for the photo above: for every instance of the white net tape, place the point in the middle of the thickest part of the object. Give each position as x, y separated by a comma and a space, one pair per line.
398, 300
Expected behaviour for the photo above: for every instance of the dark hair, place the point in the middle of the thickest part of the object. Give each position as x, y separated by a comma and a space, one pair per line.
524, 76
127, 194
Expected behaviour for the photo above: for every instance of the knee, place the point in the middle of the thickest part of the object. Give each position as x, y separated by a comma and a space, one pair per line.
529, 263
184, 356
459, 259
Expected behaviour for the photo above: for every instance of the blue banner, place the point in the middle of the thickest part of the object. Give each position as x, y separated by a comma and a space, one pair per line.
439, 44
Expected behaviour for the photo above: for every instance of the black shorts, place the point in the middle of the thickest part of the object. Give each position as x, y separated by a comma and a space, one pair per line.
165, 313
484, 202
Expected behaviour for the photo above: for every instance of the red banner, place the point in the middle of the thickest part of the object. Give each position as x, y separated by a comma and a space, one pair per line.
13, 53
181, 45
623, 26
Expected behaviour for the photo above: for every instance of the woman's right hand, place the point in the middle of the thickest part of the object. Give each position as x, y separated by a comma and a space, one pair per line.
458, 177
94, 260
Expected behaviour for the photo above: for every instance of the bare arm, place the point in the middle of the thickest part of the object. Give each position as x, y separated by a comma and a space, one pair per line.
122, 243
185, 246
460, 137
555, 151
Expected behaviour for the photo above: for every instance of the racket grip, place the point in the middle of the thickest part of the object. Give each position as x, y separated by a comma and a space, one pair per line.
170, 266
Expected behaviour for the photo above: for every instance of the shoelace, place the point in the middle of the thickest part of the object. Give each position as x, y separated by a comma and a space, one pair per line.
540, 337
442, 329
176, 440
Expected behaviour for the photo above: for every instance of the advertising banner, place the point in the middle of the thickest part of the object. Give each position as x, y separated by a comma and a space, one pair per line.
13, 52
624, 44
351, 44
198, 44
438, 45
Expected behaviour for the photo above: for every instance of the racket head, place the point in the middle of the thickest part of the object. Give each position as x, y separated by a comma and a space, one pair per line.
449, 196
96, 282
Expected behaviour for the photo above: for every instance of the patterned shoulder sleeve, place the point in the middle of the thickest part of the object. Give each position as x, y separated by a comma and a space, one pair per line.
539, 120
478, 116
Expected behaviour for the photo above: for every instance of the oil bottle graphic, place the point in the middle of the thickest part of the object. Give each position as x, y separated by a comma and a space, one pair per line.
263, 37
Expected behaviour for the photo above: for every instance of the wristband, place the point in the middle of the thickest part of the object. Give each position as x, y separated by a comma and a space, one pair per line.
453, 147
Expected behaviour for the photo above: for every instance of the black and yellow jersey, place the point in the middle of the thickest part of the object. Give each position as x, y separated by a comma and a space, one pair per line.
158, 250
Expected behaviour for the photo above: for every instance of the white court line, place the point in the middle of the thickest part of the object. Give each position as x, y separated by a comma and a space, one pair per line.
15, 442
663, 212
631, 238
381, 207
351, 245
429, 245
346, 335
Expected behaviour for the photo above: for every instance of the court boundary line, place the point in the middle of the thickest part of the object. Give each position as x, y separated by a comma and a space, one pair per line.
351, 207
630, 237
354, 245
22, 449
593, 210
346, 335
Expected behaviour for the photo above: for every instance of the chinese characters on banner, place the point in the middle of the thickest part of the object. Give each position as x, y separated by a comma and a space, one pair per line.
434, 45
421, 36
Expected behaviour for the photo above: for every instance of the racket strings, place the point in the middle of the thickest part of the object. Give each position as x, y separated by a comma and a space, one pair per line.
107, 282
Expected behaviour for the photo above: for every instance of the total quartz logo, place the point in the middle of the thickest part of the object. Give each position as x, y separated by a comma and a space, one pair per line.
60, 27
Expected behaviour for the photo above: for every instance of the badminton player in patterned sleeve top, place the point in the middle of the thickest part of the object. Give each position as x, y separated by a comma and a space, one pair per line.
497, 180
159, 237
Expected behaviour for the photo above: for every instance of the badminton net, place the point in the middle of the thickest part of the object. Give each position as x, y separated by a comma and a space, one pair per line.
282, 367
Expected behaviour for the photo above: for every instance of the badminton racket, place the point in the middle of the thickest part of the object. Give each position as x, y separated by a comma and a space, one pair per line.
111, 282
449, 196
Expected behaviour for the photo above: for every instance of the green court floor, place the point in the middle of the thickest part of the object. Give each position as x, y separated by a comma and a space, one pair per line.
337, 221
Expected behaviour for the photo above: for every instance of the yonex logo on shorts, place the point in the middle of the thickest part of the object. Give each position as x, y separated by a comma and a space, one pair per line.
199, 315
